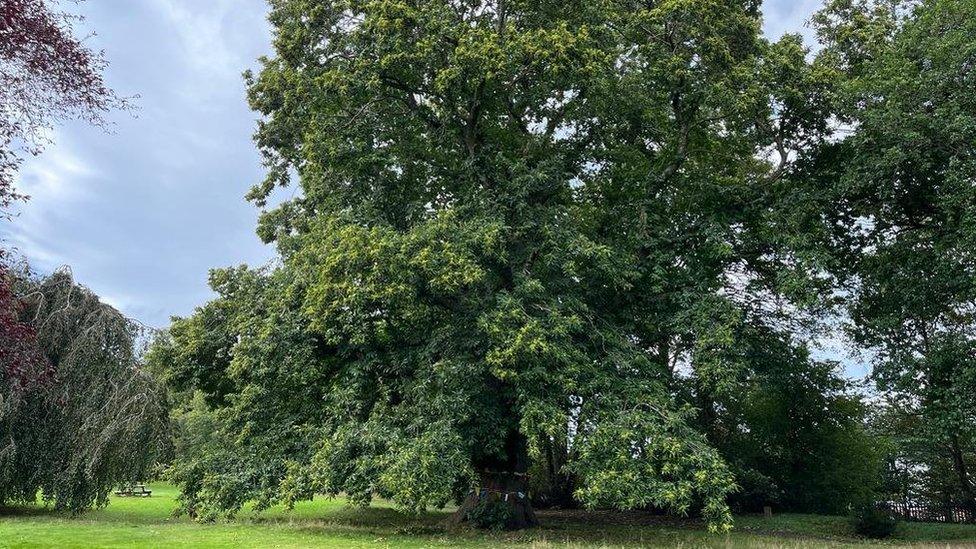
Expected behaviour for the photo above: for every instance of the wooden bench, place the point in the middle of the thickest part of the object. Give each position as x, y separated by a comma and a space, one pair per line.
134, 490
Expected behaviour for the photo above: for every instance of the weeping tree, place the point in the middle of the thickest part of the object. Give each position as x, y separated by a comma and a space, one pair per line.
78, 414
518, 223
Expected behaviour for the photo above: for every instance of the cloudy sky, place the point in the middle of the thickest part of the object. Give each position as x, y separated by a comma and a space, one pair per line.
141, 214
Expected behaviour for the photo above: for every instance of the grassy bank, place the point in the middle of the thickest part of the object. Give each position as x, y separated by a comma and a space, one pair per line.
129, 522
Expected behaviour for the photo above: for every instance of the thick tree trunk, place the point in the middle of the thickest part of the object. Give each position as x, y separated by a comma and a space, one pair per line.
503, 484
505, 489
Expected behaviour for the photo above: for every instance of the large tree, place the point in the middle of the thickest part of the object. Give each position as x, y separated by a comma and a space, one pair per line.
520, 223
899, 210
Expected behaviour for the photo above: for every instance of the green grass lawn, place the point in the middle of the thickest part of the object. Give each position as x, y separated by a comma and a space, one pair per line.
148, 522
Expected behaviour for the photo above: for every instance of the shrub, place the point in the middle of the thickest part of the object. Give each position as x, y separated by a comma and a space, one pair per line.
874, 521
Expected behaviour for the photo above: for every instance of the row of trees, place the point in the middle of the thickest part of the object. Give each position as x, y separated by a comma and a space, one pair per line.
577, 251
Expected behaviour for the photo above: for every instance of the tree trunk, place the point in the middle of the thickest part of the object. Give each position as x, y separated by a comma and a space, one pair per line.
965, 484
505, 489
503, 484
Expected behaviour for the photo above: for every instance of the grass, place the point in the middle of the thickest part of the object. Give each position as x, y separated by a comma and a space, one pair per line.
148, 522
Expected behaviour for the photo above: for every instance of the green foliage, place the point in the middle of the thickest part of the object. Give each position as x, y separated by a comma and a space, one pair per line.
227, 455
796, 437
874, 521
422, 471
899, 205
520, 223
648, 456
98, 420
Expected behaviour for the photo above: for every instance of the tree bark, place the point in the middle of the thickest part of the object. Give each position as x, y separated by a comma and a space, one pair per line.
965, 484
503, 482
501, 488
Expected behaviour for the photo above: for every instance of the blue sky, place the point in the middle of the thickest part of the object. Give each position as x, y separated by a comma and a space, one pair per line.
141, 214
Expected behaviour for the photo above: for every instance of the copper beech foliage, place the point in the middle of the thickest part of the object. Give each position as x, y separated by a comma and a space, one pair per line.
47, 75
21, 360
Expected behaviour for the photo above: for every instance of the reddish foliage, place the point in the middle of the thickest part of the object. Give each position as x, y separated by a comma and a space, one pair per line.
22, 363
46, 75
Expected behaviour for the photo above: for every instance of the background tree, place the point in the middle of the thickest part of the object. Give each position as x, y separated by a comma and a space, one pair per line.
794, 432
899, 210
91, 418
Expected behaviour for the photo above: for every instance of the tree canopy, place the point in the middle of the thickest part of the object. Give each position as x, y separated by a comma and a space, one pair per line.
898, 207
521, 225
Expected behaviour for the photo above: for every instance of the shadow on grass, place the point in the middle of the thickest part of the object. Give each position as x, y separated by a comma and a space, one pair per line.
356, 517
20, 511
599, 528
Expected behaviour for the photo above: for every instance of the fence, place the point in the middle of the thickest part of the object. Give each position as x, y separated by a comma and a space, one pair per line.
932, 513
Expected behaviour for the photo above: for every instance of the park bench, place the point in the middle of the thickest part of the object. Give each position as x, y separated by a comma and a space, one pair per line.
134, 490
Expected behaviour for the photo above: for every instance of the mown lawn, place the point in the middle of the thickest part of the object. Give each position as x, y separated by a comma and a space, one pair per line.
148, 522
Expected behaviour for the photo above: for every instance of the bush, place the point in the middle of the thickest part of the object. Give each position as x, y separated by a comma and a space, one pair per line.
874, 521
756, 491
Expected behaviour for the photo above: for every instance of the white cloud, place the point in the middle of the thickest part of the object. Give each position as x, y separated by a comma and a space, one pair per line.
58, 182
58, 178
199, 27
790, 16
216, 40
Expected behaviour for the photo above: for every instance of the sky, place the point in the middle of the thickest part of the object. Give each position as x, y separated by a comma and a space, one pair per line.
143, 212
